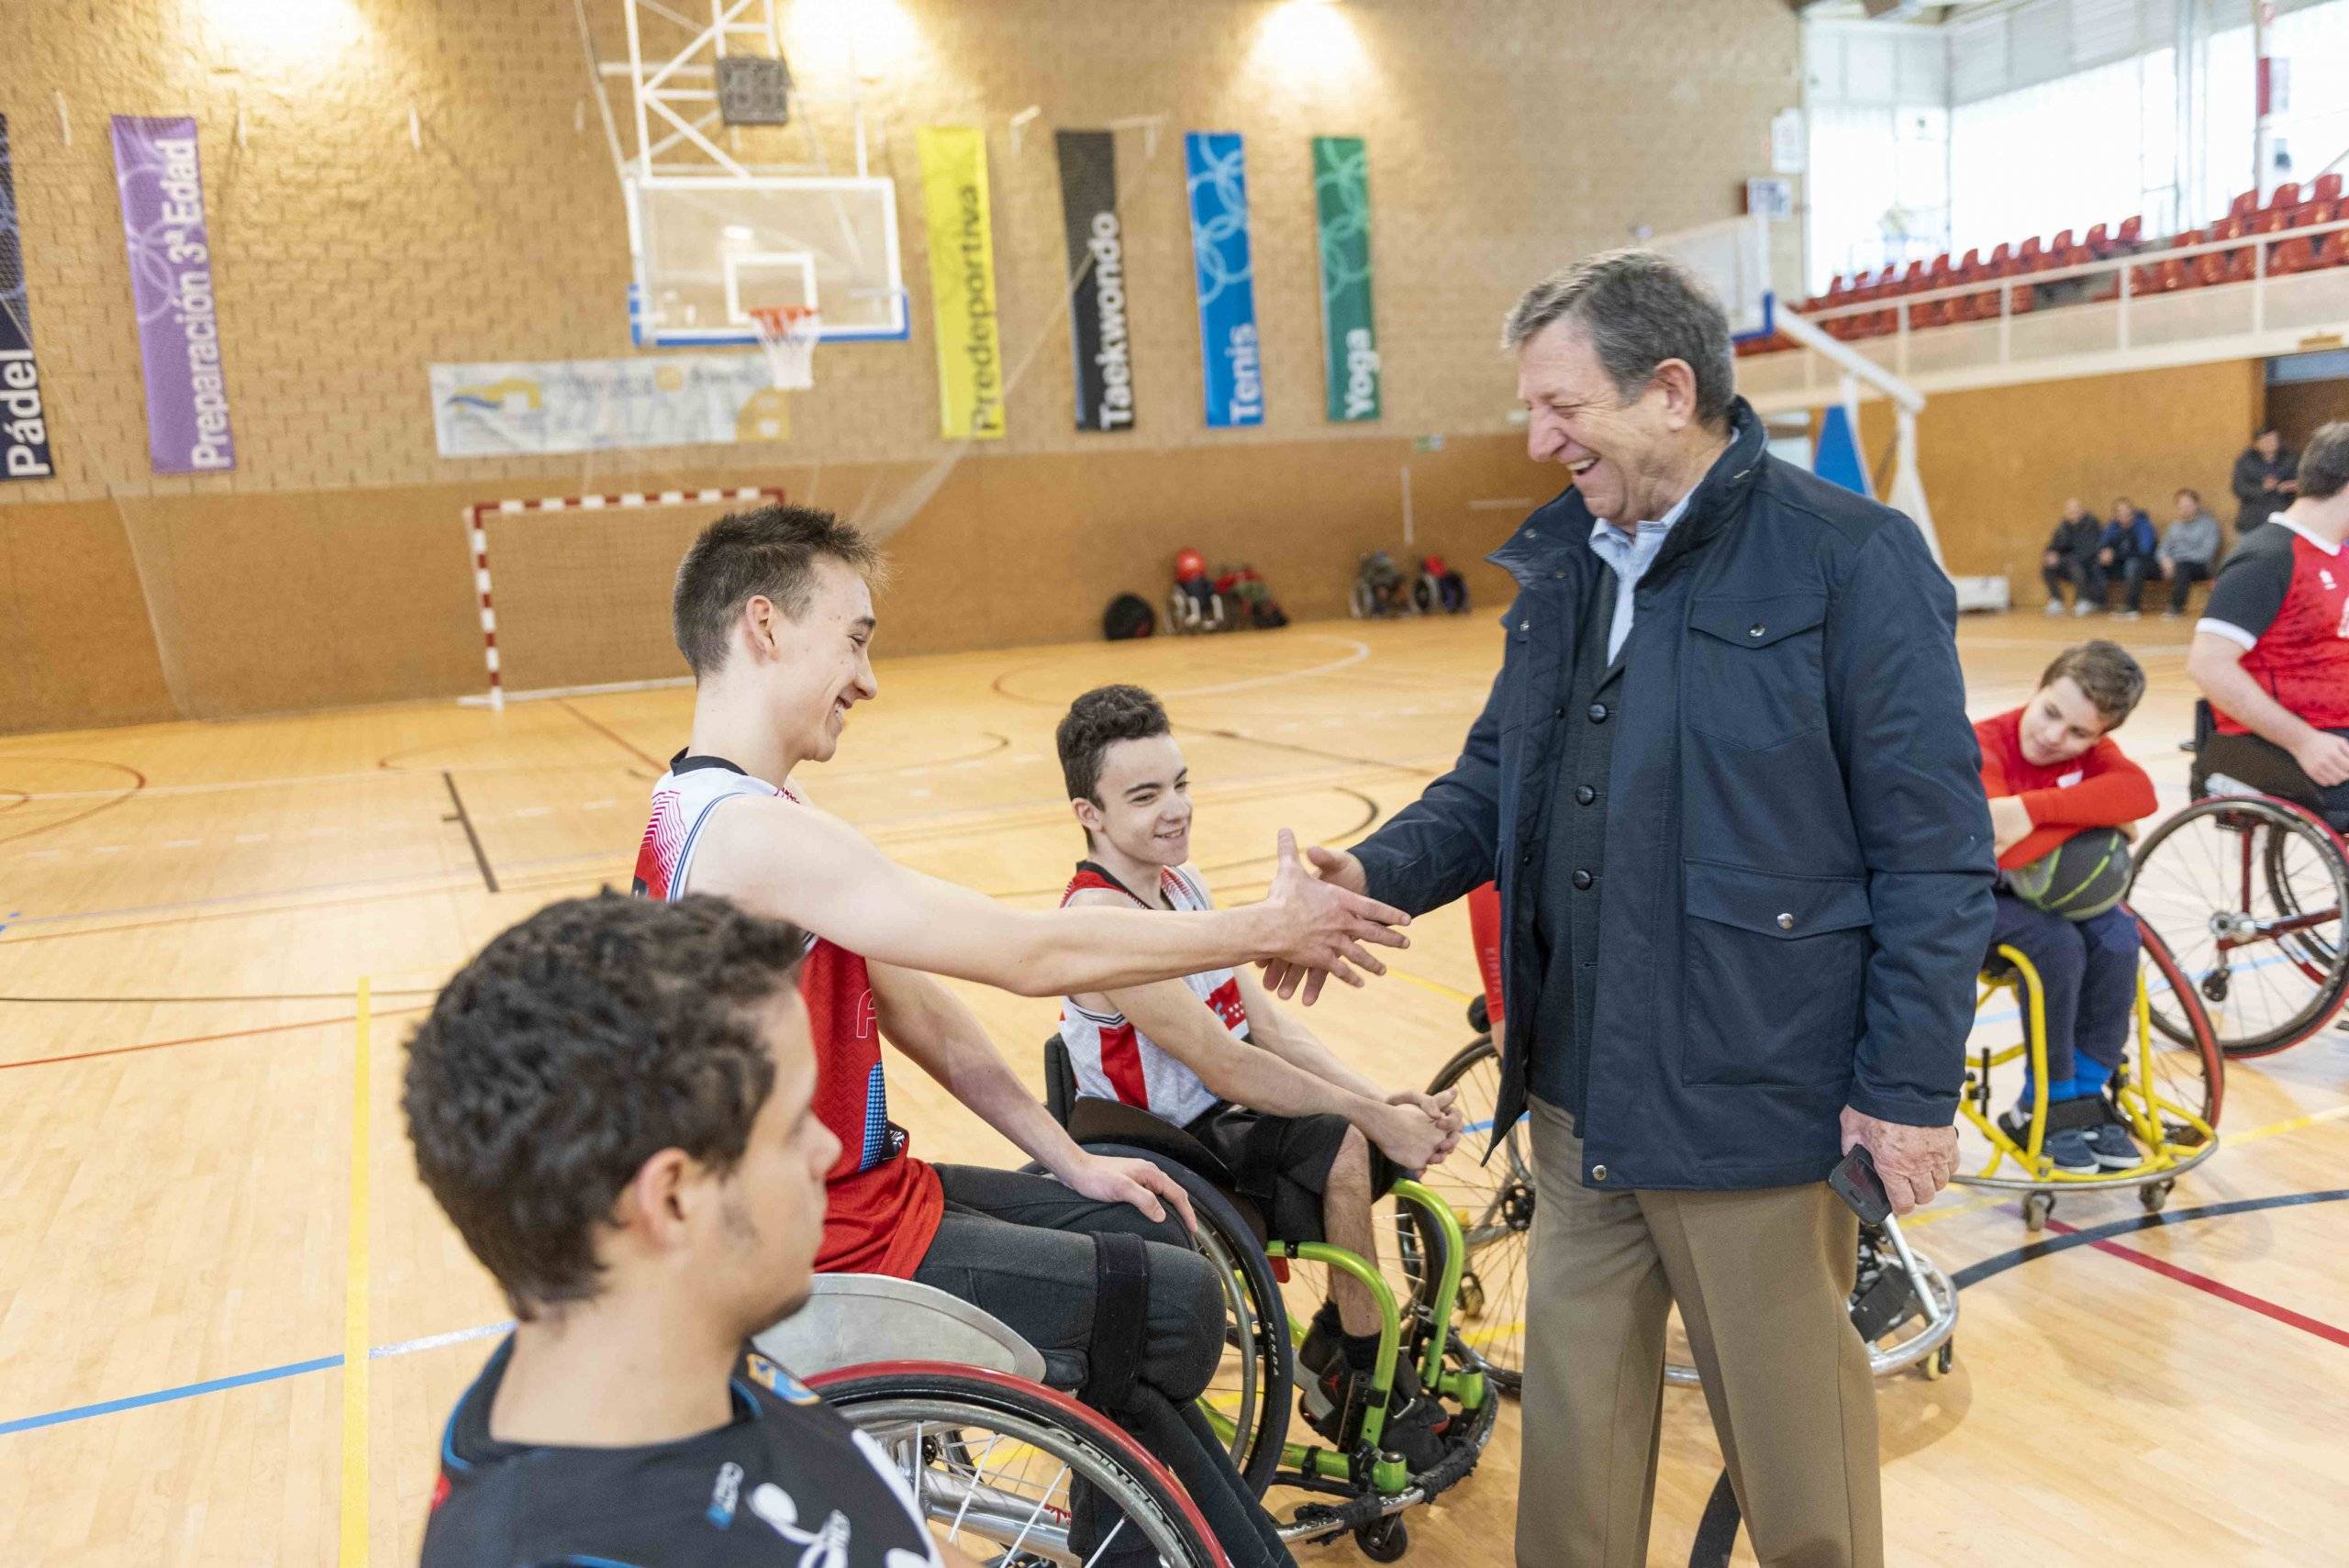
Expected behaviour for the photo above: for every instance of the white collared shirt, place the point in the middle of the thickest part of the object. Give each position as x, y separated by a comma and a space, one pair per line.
1629, 556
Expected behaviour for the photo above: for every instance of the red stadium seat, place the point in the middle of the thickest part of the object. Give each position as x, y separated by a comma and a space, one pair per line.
2328, 188
2001, 258
2132, 231
2062, 242
1971, 268
2096, 239
2023, 300
2245, 205
2333, 249
2027, 256
2284, 197
1914, 278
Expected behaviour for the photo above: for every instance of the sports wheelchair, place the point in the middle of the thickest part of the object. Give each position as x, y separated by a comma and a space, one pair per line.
2247, 885
1250, 1402
2167, 1089
989, 1455
1903, 1304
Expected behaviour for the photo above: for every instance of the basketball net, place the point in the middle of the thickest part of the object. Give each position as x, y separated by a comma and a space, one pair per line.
787, 335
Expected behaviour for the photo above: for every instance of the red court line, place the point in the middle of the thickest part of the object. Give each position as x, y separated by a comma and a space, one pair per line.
208, 1039
139, 783
2204, 1283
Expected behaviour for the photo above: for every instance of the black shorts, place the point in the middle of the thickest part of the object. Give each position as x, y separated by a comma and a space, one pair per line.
1281, 1163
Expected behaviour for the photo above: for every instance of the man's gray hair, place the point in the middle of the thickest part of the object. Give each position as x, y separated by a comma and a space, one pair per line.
1639, 308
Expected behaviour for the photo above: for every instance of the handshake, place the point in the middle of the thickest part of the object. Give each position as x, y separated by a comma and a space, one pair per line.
1324, 925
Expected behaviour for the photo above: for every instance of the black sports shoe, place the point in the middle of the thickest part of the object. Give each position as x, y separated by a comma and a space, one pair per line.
1415, 1423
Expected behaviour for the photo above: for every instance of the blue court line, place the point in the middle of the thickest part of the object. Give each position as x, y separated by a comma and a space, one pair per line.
267, 1374
165, 1396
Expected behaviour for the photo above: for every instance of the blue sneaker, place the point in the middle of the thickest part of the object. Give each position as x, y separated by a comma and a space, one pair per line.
2113, 1148
2068, 1149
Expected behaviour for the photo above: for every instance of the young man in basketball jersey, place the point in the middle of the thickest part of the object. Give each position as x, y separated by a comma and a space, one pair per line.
613, 1102
1310, 1141
2271, 650
2052, 771
774, 614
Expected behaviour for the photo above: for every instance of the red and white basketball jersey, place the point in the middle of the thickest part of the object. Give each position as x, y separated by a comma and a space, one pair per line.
1115, 1060
882, 1205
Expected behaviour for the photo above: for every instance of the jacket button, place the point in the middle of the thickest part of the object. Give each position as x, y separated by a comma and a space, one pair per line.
1556, 575
1599, 1173
1599, 713
1525, 626
1756, 629
1526, 858
1558, 713
1785, 922
1582, 880
1585, 796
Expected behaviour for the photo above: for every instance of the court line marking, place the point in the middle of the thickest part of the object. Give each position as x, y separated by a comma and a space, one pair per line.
464, 820
166, 1396
615, 736
206, 1039
354, 1309
2210, 1286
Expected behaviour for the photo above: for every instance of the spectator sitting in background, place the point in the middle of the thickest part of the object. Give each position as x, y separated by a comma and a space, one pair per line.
2190, 551
2072, 557
2265, 479
2128, 545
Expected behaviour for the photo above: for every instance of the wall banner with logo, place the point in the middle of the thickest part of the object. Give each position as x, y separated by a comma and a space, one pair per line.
171, 288
962, 281
581, 406
1231, 355
24, 424
1097, 267
1348, 336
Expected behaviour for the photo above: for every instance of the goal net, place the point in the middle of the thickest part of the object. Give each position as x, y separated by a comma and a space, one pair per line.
575, 589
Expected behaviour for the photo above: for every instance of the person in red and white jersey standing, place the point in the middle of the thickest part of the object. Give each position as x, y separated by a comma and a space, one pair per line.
2271, 650
773, 612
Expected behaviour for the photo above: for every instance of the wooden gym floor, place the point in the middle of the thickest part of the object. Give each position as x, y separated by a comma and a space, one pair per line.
231, 1322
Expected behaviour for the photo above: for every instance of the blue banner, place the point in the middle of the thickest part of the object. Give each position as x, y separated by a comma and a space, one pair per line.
1233, 364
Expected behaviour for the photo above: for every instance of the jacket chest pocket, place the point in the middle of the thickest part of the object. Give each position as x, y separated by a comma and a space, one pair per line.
1755, 674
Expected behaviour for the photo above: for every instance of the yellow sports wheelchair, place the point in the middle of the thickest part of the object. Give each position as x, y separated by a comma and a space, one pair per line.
2166, 1090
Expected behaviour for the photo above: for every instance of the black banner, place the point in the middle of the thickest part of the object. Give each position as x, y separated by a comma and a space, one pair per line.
1097, 266
24, 426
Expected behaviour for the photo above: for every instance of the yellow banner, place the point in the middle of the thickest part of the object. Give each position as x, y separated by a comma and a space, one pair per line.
961, 283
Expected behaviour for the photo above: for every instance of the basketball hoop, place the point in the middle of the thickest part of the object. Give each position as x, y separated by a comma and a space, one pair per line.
787, 335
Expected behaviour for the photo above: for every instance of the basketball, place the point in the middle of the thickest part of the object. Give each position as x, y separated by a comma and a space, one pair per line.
2079, 878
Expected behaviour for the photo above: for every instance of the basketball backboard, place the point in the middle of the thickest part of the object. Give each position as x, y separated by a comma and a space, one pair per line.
1732, 255
709, 248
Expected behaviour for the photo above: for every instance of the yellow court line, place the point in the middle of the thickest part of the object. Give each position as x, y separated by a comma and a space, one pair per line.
354, 1311
1420, 981
2291, 1124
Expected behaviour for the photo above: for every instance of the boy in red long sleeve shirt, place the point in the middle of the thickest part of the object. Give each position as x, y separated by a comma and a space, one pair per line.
2051, 769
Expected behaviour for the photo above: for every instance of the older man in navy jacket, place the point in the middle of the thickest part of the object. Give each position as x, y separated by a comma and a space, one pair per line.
1727, 785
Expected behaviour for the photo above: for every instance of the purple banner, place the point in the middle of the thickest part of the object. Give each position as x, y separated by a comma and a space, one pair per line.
171, 285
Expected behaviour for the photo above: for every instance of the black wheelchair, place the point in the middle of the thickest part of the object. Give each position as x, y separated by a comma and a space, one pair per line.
2247, 886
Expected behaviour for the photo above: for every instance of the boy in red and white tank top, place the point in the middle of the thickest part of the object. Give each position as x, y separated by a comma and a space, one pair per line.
1313, 1143
773, 612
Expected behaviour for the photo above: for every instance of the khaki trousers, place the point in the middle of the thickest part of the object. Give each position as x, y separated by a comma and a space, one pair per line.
1762, 1279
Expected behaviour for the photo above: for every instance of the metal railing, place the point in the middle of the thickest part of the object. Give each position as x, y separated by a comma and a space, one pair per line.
2102, 322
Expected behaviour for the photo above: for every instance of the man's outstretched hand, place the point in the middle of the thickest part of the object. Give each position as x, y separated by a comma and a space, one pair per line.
1322, 923
1915, 1161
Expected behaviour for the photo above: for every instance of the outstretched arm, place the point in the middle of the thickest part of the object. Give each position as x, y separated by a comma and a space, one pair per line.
930, 1024
793, 862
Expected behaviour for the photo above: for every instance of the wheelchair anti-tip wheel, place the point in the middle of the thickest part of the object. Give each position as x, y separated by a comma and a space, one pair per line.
2248, 892
1493, 1200
994, 1464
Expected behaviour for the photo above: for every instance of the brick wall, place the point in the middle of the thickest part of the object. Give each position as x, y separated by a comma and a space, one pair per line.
1504, 137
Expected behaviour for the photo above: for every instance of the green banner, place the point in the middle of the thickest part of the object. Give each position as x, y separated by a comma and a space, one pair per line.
1349, 337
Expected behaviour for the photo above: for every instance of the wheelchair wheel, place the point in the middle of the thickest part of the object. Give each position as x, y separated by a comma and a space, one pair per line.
2188, 1073
1494, 1202
1250, 1393
991, 1463
2247, 893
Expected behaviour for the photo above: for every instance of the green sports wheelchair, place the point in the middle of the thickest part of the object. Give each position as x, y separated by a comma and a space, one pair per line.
1367, 1484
